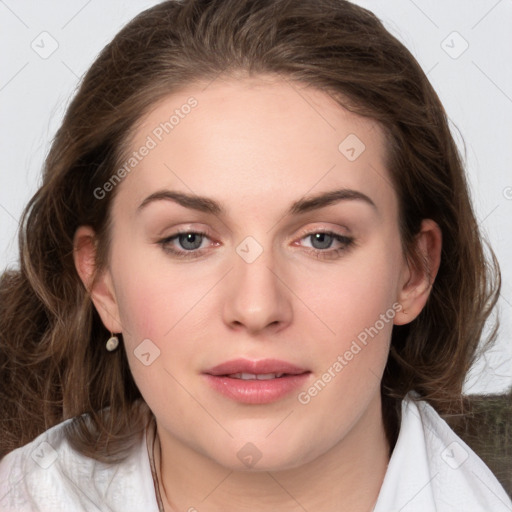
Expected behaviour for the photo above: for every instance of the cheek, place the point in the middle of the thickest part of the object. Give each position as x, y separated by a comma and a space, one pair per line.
141, 304
353, 295
153, 309
359, 305
162, 303
358, 302
153, 294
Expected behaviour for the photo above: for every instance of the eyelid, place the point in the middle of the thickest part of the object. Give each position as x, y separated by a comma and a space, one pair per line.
325, 229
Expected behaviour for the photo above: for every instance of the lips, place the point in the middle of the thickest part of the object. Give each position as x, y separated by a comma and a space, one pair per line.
256, 382
260, 367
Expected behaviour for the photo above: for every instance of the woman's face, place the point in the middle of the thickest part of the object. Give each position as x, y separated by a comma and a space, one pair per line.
262, 340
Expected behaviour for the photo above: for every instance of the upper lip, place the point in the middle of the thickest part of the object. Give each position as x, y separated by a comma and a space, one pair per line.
262, 366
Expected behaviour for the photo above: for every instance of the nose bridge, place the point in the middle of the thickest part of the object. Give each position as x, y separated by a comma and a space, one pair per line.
257, 298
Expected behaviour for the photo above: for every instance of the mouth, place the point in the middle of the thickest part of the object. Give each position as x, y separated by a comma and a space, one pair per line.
256, 382
256, 376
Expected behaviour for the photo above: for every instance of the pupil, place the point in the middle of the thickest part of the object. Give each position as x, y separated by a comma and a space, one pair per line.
190, 241
321, 240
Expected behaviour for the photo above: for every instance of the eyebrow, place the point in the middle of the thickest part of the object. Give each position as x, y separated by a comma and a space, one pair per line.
304, 205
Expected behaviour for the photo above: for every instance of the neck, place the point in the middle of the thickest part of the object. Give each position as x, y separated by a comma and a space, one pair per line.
347, 477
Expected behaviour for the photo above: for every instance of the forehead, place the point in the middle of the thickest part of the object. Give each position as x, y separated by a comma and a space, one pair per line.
260, 138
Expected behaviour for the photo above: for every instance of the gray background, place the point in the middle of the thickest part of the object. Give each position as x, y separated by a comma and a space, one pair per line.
465, 47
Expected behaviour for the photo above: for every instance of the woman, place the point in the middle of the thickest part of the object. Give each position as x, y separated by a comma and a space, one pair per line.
252, 277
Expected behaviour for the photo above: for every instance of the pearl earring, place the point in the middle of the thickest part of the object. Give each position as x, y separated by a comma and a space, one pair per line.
112, 342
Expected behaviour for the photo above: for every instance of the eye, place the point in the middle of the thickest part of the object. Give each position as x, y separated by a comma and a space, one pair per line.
190, 241
327, 244
192, 244
185, 244
321, 240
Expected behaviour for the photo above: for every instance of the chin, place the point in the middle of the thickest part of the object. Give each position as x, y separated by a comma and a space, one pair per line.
260, 455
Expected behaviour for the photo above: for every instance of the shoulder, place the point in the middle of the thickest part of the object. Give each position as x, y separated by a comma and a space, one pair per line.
48, 475
431, 468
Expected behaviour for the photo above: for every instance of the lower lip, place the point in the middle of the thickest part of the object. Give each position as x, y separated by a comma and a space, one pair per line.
256, 391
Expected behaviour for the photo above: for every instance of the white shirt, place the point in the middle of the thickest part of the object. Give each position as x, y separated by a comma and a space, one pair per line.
431, 470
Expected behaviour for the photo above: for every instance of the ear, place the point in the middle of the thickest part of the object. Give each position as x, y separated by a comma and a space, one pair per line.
99, 285
418, 276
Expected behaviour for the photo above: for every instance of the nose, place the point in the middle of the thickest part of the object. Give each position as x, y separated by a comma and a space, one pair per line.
257, 298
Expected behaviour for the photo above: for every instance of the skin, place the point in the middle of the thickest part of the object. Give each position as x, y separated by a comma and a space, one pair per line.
256, 145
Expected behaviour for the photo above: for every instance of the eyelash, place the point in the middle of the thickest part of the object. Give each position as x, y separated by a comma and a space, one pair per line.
346, 241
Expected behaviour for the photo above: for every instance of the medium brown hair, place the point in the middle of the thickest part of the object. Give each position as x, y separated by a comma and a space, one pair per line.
53, 363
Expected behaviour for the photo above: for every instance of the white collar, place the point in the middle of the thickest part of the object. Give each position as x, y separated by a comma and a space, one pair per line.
432, 469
